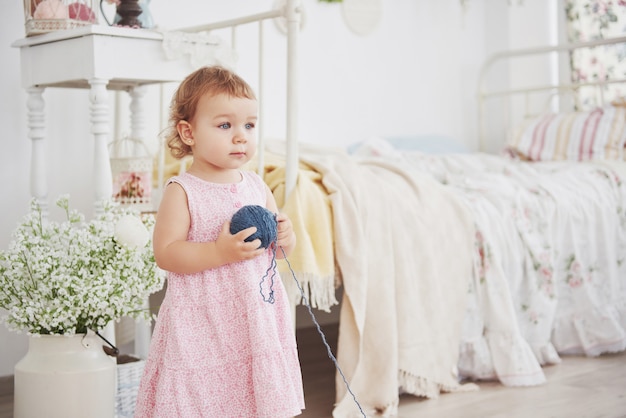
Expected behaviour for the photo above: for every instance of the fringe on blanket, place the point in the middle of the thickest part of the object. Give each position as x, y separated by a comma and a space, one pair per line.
318, 291
420, 386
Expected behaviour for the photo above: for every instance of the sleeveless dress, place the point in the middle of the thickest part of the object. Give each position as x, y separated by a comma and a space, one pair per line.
218, 349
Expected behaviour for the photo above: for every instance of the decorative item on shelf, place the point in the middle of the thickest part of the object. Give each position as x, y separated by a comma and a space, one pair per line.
131, 13
72, 278
42, 16
131, 167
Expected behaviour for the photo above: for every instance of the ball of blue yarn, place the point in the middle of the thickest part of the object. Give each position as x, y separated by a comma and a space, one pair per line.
262, 218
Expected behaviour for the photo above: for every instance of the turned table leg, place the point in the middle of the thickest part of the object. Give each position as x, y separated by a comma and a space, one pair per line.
138, 116
37, 134
103, 179
143, 330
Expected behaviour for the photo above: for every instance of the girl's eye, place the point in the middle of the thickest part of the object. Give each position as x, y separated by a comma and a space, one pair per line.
224, 125
249, 125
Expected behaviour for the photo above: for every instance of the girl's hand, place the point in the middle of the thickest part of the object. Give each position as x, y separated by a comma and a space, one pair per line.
285, 236
232, 247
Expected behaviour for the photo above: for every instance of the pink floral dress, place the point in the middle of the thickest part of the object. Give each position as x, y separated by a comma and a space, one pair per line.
219, 350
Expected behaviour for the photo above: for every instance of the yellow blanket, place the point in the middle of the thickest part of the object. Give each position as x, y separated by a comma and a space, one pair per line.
309, 209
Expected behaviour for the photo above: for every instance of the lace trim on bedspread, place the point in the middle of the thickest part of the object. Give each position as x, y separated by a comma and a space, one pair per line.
507, 358
202, 49
592, 332
421, 386
475, 361
545, 353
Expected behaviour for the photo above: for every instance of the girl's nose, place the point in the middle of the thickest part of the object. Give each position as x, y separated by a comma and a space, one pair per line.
240, 138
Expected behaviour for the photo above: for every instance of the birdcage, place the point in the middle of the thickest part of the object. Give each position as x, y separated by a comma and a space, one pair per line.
42, 16
131, 168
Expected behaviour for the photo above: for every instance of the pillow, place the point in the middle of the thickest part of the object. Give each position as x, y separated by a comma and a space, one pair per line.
428, 144
373, 147
598, 134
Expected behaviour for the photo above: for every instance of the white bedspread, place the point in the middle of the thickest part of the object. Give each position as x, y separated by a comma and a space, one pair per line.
550, 261
404, 249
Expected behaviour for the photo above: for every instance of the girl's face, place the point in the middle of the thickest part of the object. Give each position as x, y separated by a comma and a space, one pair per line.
222, 133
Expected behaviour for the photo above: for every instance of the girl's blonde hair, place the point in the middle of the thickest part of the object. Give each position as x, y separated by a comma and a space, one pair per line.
206, 80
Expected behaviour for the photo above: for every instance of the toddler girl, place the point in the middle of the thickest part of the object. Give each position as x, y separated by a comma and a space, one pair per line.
218, 350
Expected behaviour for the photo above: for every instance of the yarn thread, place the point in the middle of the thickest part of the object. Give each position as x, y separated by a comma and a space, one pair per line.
267, 232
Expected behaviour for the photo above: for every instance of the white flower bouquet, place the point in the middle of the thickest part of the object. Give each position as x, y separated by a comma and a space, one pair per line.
72, 276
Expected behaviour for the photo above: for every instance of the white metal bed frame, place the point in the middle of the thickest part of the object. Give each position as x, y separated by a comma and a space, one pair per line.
484, 94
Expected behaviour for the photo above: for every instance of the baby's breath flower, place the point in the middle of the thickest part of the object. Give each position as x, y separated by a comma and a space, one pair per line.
67, 277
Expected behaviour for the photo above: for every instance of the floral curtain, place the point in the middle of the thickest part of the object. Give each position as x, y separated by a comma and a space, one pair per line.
589, 20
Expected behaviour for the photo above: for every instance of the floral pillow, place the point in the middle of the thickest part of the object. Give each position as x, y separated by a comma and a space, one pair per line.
598, 134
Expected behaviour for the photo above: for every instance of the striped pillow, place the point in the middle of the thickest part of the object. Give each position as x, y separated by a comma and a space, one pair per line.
599, 134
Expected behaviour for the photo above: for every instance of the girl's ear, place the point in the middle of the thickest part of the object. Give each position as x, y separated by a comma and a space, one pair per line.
185, 132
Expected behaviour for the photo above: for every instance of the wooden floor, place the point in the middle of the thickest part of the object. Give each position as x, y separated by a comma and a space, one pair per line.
577, 388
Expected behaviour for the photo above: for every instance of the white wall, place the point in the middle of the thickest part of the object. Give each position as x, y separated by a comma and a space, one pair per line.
415, 75
521, 25
14, 159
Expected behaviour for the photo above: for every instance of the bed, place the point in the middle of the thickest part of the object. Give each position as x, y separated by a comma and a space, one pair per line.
457, 266
474, 266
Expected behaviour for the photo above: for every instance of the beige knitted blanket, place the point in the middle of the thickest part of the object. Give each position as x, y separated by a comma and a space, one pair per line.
403, 245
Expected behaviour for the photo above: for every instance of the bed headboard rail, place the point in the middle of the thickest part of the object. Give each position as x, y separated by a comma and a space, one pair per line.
554, 89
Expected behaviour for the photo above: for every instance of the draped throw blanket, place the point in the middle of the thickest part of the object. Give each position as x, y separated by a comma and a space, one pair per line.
404, 247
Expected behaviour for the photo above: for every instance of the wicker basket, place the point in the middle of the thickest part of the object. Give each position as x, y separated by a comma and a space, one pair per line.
128, 378
42, 16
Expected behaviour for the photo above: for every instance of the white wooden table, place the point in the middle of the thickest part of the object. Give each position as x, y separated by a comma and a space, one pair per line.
98, 58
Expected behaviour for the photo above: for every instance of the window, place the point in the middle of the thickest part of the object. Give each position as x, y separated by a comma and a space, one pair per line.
589, 20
